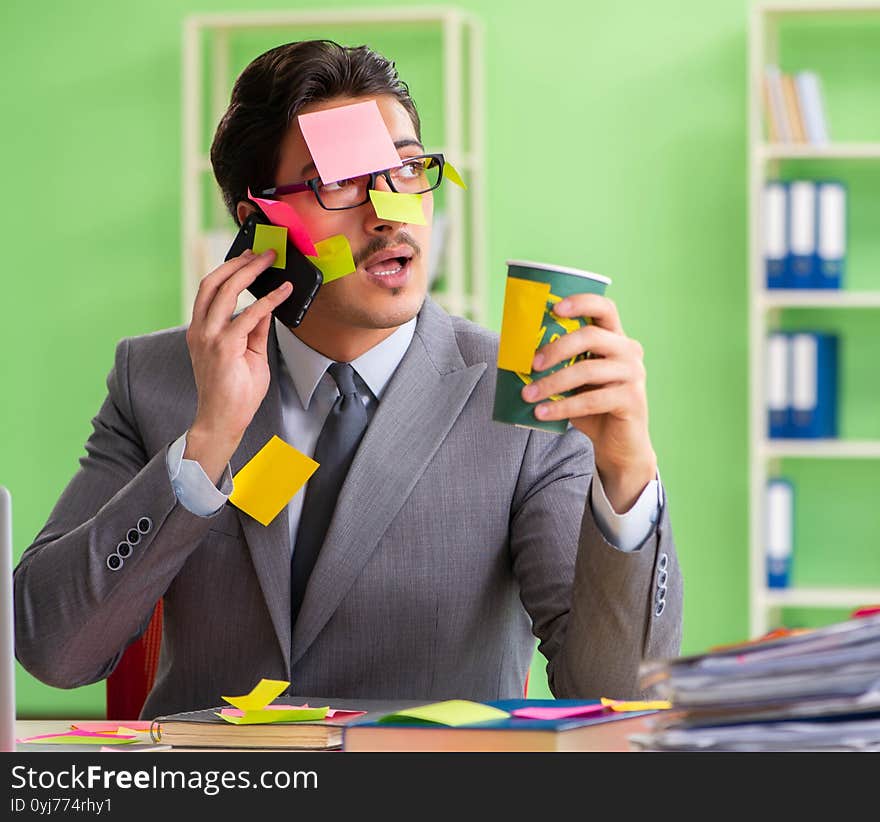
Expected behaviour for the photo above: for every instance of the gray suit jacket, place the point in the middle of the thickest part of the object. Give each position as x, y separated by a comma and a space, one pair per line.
456, 540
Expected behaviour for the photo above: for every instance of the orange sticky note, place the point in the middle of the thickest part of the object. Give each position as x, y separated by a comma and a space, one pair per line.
524, 302
402, 208
274, 237
260, 696
334, 257
636, 705
270, 479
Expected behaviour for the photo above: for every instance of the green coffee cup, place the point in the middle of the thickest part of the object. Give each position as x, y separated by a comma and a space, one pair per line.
509, 406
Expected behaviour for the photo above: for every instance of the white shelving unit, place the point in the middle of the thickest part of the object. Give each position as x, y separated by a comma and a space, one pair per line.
207, 80
764, 310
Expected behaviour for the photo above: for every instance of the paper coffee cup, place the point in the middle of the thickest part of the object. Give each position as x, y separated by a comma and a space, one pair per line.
528, 323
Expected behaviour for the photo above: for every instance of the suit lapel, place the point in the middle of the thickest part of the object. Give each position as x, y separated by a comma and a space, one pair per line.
269, 545
419, 406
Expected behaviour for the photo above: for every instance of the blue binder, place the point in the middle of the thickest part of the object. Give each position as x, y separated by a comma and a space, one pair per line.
831, 239
802, 230
778, 385
814, 364
779, 533
774, 223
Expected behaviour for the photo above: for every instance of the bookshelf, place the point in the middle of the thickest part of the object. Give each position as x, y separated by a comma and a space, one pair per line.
767, 308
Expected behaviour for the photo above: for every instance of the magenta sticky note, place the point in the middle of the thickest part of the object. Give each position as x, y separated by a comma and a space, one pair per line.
348, 141
281, 214
559, 713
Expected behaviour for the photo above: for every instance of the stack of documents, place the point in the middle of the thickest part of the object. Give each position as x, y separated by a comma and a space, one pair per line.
810, 690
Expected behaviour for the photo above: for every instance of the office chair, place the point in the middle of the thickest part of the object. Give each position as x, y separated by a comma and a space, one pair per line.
131, 680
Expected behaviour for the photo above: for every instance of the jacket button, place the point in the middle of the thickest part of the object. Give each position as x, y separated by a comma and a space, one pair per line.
124, 550
114, 562
662, 562
661, 606
661, 579
660, 594
133, 536
145, 525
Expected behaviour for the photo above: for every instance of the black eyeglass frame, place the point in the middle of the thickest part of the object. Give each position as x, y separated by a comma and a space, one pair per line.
313, 183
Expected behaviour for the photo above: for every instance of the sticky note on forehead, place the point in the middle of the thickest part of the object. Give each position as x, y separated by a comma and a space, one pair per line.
270, 479
524, 302
348, 141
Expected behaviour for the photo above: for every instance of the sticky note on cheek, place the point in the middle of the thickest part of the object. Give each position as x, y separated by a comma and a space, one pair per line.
268, 482
401, 208
334, 257
274, 237
524, 302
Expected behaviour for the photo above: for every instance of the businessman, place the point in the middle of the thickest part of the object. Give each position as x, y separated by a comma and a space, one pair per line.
433, 545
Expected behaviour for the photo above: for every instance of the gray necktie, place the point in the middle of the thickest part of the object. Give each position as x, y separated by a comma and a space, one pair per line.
334, 451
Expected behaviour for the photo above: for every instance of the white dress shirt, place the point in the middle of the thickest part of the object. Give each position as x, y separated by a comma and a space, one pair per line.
307, 394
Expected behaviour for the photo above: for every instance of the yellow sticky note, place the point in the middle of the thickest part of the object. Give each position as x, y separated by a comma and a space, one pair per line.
274, 237
451, 712
451, 173
262, 694
524, 302
334, 257
636, 705
268, 717
402, 208
268, 482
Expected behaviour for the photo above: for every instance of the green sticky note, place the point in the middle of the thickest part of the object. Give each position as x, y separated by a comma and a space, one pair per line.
260, 696
452, 712
451, 173
268, 717
402, 208
334, 257
274, 237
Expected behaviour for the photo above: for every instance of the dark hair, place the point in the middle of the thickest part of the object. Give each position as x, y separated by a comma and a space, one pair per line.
270, 92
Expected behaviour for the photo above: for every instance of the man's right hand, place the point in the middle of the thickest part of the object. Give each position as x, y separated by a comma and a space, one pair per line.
229, 358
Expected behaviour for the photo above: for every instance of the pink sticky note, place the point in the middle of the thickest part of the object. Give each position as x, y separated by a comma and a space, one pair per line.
348, 141
111, 727
559, 713
73, 735
280, 213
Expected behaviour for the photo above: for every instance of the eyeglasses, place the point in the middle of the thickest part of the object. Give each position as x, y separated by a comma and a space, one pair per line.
416, 175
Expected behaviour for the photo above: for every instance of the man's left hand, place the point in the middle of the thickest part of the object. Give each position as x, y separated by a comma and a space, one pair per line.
610, 403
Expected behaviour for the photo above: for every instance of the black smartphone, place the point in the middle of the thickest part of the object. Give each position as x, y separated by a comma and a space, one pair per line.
300, 270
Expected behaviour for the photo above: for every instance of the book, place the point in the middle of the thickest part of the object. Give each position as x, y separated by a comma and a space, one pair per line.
802, 234
204, 729
814, 378
831, 229
809, 94
776, 113
779, 531
793, 109
608, 731
774, 223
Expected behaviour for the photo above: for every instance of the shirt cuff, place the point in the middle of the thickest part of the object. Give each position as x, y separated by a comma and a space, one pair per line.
629, 530
192, 487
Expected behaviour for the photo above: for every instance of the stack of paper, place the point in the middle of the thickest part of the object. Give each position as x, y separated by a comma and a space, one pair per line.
806, 690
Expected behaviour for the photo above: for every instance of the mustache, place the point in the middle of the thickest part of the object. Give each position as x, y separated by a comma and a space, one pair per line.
379, 243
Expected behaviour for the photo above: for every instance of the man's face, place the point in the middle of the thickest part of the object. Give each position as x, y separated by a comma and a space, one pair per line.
390, 282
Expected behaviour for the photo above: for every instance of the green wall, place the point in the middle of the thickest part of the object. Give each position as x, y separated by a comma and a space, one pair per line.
616, 142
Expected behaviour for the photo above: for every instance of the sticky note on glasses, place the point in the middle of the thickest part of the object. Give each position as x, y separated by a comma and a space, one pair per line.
348, 141
274, 237
402, 208
451, 174
260, 696
281, 214
269, 480
524, 302
334, 257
